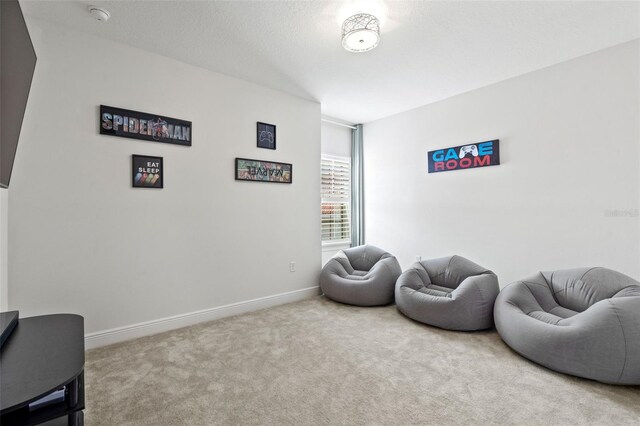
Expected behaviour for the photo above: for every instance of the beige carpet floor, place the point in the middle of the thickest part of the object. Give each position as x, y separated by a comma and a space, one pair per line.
319, 362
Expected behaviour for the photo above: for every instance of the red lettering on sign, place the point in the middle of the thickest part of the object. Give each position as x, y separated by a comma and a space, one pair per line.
465, 162
481, 161
439, 165
451, 164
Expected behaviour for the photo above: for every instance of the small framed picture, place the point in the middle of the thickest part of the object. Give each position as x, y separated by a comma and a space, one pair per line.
266, 135
147, 172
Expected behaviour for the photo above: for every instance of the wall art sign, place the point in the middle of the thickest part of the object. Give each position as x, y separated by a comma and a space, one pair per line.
263, 171
147, 172
141, 125
464, 156
266, 135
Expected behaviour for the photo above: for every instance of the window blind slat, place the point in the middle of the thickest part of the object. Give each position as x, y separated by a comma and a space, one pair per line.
335, 180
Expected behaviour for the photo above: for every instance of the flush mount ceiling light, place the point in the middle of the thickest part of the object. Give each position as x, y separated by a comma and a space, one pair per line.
360, 32
99, 13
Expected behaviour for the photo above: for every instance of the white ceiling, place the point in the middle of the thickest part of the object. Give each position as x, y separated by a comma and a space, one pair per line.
429, 50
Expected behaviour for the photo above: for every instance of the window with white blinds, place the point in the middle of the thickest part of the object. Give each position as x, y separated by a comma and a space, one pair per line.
336, 199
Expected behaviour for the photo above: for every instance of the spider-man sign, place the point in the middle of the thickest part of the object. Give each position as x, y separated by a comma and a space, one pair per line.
141, 125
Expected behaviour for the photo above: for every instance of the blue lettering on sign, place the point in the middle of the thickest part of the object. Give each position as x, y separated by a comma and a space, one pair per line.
438, 155
451, 153
485, 148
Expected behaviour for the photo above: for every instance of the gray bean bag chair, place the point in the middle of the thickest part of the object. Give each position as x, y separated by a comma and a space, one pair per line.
450, 292
584, 322
363, 276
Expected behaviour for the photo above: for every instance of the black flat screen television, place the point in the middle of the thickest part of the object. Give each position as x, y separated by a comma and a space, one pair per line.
17, 64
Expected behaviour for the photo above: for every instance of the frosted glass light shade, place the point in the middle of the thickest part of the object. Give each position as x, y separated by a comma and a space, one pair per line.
360, 33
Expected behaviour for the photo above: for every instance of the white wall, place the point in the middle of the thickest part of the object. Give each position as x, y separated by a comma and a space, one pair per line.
82, 240
4, 289
335, 140
570, 152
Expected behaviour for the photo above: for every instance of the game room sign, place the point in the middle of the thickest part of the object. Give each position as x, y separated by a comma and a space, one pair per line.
141, 125
464, 157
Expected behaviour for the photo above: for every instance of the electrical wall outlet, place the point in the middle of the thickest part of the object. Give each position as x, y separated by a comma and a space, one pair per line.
418, 258
292, 266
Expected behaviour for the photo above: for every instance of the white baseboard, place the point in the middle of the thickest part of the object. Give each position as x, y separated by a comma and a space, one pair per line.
128, 332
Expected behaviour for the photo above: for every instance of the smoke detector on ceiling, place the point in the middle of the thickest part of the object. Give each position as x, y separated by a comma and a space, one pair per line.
99, 13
